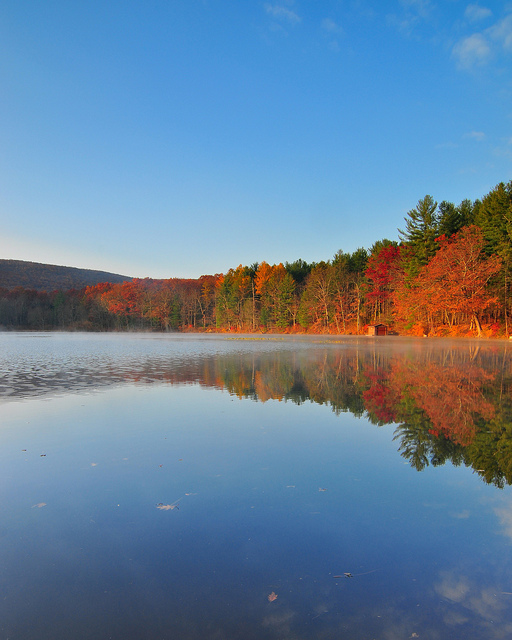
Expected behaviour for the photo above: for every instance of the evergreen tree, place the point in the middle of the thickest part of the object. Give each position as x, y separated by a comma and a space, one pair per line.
450, 220
299, 270
421, 231
494, 216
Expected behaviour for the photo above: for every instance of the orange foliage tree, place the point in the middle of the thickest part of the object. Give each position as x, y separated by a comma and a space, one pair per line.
452, 286
275, 287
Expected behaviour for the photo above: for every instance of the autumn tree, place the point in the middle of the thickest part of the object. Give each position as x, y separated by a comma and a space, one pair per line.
454, 282
317, 301
233, 292
275, 287
381, 273
299, 271
206, 300
348, 271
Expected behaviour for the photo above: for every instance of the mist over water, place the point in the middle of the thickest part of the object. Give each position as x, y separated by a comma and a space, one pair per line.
208, 487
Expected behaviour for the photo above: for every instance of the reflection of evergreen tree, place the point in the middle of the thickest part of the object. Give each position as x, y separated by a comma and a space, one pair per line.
490, 453
415, 444
481, 455
421, 448
298, 394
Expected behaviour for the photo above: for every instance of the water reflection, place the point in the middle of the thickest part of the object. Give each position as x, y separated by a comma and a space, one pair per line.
451, 401
141, 500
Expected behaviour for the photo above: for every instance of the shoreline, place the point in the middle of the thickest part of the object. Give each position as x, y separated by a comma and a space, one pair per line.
326, 338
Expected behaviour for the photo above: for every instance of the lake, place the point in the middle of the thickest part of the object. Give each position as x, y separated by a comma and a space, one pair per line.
254, 487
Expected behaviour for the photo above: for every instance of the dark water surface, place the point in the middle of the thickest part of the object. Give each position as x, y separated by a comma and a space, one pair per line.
163, 487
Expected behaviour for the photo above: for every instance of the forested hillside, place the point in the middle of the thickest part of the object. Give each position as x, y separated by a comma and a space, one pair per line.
450, 274
50, 277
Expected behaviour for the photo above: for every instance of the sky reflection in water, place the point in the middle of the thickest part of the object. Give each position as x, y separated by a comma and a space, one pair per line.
275, 496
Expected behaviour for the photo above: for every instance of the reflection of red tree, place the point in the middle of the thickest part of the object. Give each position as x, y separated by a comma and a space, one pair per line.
380, 400
452, 397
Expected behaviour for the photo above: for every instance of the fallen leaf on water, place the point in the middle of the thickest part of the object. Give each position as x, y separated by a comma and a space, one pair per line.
272, 596
39, 505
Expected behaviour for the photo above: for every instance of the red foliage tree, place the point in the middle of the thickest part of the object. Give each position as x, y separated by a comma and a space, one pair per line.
381, 273
455, 280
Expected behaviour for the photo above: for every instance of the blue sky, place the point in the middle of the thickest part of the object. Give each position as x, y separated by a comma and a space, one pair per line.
182, 137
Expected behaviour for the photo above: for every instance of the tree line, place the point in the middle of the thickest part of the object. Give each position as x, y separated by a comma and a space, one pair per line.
449, 274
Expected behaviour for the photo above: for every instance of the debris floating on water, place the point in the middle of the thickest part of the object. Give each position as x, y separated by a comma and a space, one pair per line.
272, 596
169, 507
347, 574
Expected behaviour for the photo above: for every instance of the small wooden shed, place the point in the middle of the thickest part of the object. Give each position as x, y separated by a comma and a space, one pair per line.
377, 330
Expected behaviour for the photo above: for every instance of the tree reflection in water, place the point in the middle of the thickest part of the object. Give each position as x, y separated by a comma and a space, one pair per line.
450, 400
449, 404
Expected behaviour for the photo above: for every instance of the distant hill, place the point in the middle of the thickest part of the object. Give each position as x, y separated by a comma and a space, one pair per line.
50, 277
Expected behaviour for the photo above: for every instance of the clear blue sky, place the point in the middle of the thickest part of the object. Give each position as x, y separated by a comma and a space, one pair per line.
174, 138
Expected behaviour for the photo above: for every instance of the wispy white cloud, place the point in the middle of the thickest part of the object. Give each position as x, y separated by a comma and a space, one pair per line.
403, 24
475, 135
447, 145
472, 51
504, 150
475, 13
413, 14
421, 7
479, 48
332, 30
501, 32
331, 26
280, 12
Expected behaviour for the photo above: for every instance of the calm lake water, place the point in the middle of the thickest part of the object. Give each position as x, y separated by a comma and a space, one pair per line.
203, 487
